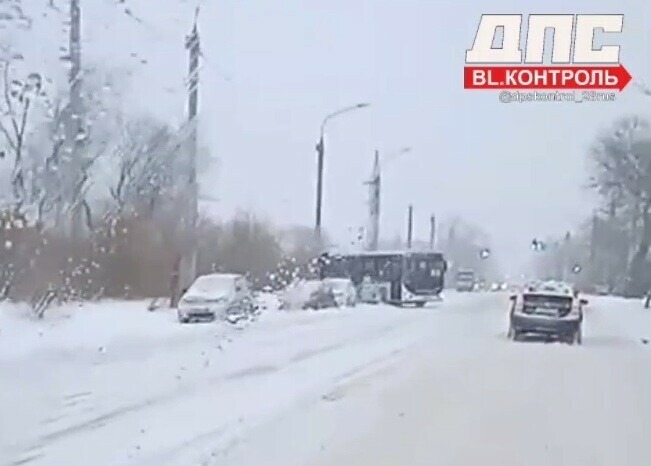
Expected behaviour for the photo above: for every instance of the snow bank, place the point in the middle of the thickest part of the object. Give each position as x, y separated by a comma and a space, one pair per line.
98, 326
268, 301
298, 293
80, 326
626, 318
136, 387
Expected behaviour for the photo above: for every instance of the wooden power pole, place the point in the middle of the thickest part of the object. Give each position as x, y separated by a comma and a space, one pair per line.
185, 270
432, 232
74, 119
410, 226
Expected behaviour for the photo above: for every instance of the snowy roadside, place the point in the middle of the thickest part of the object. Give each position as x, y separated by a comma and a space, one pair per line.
626, 320
157, 385
89, 328
76, 328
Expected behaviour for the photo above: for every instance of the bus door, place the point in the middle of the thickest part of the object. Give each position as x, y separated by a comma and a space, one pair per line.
395, 274
424, 275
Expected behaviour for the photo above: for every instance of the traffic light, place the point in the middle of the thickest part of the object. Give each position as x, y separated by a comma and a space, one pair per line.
537, 245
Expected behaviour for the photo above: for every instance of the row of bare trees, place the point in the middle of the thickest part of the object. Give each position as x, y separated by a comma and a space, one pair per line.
92, 197
612, 245
132, 255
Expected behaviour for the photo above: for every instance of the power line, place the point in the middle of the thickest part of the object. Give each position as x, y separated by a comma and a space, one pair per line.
169, 35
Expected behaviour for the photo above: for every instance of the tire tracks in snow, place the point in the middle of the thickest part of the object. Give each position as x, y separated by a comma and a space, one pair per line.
227, 435
38, 447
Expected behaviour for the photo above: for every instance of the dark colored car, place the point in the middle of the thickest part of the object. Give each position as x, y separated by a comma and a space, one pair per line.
548, 311
323, 297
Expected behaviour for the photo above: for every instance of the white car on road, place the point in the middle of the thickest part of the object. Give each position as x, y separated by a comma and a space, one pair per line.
217, 295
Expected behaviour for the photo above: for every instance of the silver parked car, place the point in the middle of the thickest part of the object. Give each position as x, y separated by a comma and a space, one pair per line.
217, 295
344, 291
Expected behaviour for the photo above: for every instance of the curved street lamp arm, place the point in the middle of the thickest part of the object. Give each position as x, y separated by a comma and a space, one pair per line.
339, 112
393, 156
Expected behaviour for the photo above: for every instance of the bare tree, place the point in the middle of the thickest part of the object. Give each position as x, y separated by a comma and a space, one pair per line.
17, 102
146, 167
61, 184
621, 166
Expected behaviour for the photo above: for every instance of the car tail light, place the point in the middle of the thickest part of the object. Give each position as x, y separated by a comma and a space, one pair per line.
564, 312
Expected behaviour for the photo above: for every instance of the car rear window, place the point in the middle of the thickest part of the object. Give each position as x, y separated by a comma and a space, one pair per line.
547, 302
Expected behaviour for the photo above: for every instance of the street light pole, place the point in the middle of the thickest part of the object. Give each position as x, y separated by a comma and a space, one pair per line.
320, 149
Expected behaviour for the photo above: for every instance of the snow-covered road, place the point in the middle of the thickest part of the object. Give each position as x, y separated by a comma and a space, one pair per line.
371, 385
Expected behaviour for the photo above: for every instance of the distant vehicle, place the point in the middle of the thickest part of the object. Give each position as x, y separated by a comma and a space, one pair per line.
465, 280
370, 291
344, 290
498, 287
216, 295
395, 277
321, 298
602, 290
549, 309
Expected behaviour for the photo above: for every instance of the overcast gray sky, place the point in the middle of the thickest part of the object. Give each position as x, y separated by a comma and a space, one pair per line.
275, 68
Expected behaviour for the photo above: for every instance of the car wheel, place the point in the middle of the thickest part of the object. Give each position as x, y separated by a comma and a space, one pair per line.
510, 332
578, 337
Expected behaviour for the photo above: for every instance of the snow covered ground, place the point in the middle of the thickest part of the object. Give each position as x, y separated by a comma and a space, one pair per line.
116, 385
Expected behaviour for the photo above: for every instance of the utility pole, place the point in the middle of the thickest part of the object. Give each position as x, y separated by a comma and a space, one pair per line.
75, 109
432, 232
187, 266
450, 245
193, 45
320, 154
374, 205
410, 226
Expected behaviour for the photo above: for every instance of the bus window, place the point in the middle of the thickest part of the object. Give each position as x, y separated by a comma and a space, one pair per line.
381, 267
386, 266
368, 267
